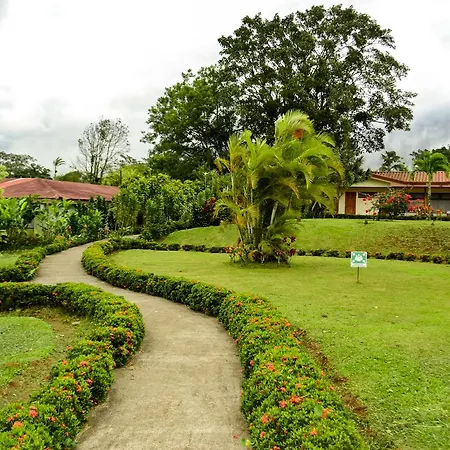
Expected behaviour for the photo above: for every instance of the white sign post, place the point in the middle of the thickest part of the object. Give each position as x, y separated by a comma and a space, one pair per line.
358, 259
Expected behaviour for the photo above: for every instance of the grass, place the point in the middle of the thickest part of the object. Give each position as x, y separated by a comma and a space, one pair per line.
8, 258
383, 236
31, 341
389, 336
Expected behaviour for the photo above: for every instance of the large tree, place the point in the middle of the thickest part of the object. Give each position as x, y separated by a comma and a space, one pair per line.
103, 145
22, 166
190, 124
391, 162
335, 64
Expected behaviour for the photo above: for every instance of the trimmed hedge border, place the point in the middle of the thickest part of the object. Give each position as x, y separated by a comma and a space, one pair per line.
286, 399
27, 263
369, 217
128, 244
55, 413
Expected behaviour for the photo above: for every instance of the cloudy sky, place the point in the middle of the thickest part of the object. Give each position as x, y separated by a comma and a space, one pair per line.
65, 63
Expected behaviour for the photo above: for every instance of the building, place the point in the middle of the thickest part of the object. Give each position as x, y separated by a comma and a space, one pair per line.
351, 201
55, 190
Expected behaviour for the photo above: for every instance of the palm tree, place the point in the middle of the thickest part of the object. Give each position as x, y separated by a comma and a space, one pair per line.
57, 163
270, 184
430, 163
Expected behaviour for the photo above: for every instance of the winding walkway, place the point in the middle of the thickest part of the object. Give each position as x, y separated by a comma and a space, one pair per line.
181, 391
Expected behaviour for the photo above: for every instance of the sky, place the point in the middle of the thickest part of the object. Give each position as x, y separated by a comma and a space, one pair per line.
66, 63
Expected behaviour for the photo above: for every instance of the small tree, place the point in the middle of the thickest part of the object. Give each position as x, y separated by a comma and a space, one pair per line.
58, 162
392, 162
430, 163
102, 145
270, 184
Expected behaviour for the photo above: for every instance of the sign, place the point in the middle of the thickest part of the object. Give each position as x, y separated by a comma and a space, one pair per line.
358, 259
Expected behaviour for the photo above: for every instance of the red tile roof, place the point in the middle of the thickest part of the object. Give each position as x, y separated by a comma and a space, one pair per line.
51, 189
420, 178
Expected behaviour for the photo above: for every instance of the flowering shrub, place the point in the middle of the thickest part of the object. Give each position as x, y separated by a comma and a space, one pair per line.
287, 400
54, 414
390, 204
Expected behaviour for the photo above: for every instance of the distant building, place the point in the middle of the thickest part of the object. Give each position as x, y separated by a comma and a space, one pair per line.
55, 190
351, 201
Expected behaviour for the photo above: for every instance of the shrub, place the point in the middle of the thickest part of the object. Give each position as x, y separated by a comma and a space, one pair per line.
287, 400
173, 247
27, 263
54, 414
333, 253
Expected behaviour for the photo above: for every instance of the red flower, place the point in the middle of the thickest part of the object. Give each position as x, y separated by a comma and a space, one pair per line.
17, 424
313, 432
262, 434
265, 418
282, 404
33, 413
271, 367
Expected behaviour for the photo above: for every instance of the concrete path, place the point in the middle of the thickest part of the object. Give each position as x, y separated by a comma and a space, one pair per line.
181, 391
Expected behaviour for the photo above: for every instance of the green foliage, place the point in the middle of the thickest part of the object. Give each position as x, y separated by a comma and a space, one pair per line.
15, 216
3, 172
270, 184
74, 176
56, 412
391, 203
335, 64
280, 373
27, 263
190, 124
430, 163
22, 166
392, 162
349, 93
158, 203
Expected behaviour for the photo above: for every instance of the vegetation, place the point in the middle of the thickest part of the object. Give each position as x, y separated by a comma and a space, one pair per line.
22, 166
430, 163
380, 336
8, 258
55, 413
383, 237
22, 340
266, 69
57, 162
271, 184
280, 375
102, 146
391, 162
31, 370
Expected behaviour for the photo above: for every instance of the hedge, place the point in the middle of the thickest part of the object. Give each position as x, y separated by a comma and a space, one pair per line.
128, 244
55, 413
287, 400
27, 263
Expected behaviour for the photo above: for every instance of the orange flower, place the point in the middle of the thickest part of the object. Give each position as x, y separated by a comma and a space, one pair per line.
265, 418
313, 432
282, 404
262, 434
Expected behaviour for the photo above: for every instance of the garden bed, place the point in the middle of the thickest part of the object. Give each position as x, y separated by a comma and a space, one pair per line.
55, 413
287, 399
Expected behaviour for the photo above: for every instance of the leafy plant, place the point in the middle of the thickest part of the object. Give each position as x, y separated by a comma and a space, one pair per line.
270, 184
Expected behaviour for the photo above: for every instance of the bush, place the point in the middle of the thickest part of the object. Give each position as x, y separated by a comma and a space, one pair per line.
287, 400
54, 414
27, 263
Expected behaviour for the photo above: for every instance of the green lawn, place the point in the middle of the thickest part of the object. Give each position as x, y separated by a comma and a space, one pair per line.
22, 340
390, 335
340, 234
31, 341
8, 258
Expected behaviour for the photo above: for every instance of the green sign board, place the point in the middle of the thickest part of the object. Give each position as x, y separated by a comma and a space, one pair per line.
358, 259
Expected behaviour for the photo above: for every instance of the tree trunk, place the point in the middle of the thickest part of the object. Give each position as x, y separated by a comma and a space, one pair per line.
429, 196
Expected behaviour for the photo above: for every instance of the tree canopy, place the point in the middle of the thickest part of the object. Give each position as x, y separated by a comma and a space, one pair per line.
191, 123
22, 166
334, 64
391, 162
